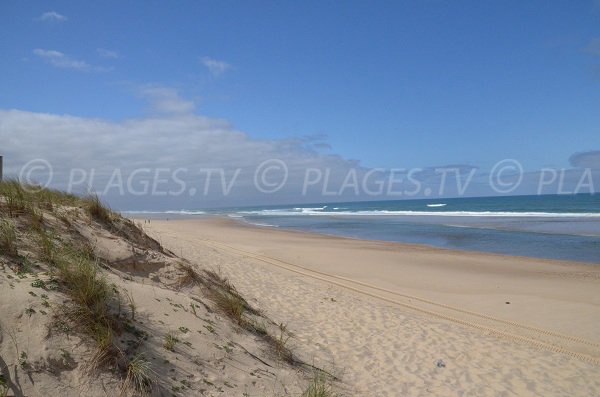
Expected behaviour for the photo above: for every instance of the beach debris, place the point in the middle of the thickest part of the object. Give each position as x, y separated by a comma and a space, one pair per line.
507, 302
440, 363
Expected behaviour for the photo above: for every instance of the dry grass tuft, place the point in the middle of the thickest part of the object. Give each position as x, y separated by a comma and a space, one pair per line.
8, 238
319, 387
140, 376
280, 344
232, 305
92, 301
98, 210
47, 248
13, 194
190, 276
36, 219
170, 342
227, 298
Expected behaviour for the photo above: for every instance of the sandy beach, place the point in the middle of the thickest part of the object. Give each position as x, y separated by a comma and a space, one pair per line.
396, 319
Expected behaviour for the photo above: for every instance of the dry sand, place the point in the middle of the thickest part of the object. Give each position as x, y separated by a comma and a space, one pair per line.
404, 320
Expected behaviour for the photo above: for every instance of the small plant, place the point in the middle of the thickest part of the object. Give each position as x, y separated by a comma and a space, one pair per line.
3, 386
319, 387
97, 210
23, 363
38, 284
91, 298
140, 375
37, 219
131, 304
30, 311
47, 248
14, 197
259, 328
184, 330
233, 305
8, 238
281, 342
170, 342
65, 355
190, 276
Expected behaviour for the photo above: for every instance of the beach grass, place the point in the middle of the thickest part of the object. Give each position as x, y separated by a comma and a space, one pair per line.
8, 238
140, 376
97, 210
319, 387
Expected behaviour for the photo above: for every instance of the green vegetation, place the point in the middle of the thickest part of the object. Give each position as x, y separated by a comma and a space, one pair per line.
92, 299
140, 376
19, 199
40, 235
170, 342
319, 387
97, 210
8, 238
3, 386
189, 277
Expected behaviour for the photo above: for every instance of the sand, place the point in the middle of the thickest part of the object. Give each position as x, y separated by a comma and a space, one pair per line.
45, 350
396, 319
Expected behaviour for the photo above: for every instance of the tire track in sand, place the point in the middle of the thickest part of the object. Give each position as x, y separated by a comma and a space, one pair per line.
570, 345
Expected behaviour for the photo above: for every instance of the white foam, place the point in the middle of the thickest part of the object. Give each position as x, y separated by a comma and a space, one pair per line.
320, 212
179, 212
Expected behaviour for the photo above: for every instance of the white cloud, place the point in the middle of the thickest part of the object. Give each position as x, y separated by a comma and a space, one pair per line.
107, 53
63, 61
172, 141
52, 16
215, 67
165, 100
60, 60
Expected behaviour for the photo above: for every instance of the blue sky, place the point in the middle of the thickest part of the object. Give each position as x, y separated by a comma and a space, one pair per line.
390, 84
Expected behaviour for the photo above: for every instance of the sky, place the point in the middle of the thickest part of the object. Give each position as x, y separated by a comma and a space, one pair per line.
327, 85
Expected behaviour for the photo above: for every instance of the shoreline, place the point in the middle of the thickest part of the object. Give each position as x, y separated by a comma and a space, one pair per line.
472, 280
243, 223
388, 311
409, 245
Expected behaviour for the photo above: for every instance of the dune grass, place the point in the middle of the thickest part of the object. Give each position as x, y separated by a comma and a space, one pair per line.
14, 197
319, 387
232, 305
19, 199
47, 247
92, 301
281, 344
8, 238
190, 276
170, 342
3, 386
94, 307
98, 210
140, 376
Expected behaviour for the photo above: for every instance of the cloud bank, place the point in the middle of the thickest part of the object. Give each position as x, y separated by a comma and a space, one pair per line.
210, 163
171, 138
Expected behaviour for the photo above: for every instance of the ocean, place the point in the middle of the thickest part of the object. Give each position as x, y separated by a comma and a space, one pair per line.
563, 227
